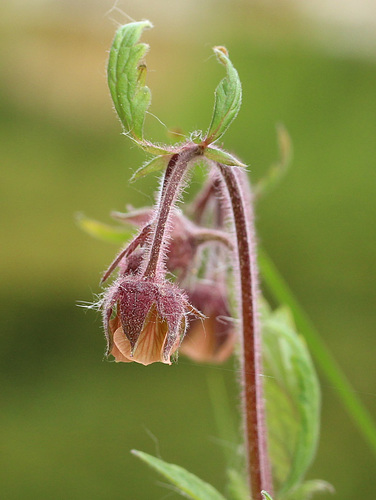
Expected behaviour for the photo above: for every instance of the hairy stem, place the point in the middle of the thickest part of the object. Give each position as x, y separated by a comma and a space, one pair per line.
257, 458
127, 251
174, 177
205, 235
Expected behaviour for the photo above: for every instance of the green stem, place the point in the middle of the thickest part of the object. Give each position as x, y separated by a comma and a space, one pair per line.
325, 360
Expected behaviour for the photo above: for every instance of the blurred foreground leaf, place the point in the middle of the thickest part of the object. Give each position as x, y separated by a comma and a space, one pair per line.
278, 169
292, 400
188, 484
237, 486
308, 489
323, 357
104, 232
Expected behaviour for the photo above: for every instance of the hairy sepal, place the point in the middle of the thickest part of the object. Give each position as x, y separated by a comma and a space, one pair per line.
221, 156
228, 98
157, 149
154, 165
126, 77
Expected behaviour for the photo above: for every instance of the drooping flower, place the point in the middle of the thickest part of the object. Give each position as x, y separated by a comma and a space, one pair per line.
185, 238
144, 320
211, 340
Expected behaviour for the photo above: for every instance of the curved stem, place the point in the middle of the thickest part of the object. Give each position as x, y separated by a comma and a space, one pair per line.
251, 365
210, 235
174, 177
127, 251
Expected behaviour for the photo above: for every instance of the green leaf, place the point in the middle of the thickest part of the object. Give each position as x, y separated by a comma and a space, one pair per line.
237, 487
308, 489
284, 314
153, 165
266, 495
228, 435
104, 232
220, 156
277, 171
189, 485
157, 149
292, 400
325, 360
126, 77
228, 98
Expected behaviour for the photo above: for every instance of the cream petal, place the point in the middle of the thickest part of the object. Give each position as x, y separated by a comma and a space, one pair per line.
225, 351
149, 346
199, 343
121, 349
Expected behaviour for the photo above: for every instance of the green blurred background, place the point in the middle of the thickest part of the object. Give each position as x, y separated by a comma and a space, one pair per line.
68, 418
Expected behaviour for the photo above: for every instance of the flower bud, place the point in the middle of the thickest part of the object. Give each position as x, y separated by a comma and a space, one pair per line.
144, 320
211, 340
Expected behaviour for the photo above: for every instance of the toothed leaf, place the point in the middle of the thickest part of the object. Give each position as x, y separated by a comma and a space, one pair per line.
104, 232
221, 156
228, 97
292, 401
126, 77
188, 484
153, 165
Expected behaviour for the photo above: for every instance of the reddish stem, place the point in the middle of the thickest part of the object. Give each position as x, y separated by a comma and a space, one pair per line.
257, 458
127, 251
172, 183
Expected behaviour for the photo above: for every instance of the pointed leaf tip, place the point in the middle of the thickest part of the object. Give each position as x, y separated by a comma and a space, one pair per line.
221, 156
220, 48
228, 97
104, 232
266, 495
187, 483
154, 165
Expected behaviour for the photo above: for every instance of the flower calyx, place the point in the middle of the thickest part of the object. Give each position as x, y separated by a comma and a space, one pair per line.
144, 321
